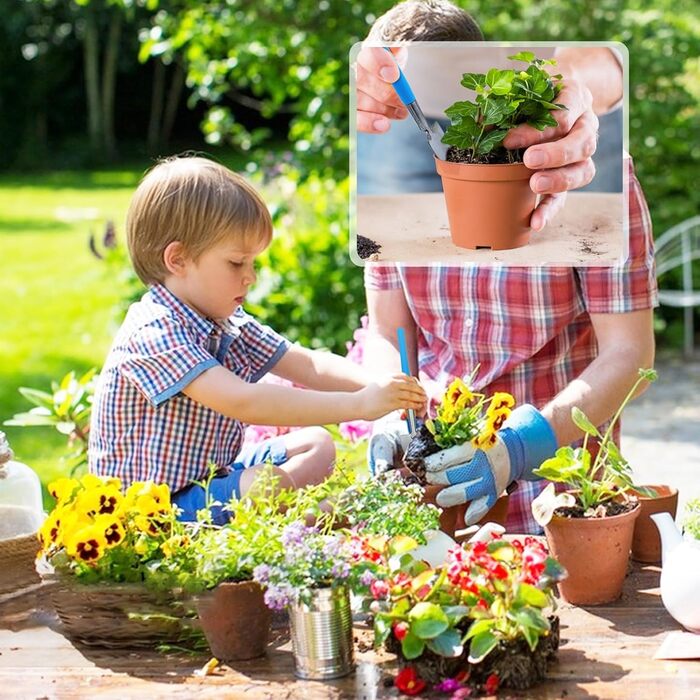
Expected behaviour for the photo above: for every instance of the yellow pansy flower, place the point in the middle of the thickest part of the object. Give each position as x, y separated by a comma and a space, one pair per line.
485, 440
173, 543
112, 529
496, 418
141, 493
86, 544
501, 399
62, 489
52, 532
458, 394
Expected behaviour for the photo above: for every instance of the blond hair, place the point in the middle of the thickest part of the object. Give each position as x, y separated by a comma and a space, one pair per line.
425, 20
197, 202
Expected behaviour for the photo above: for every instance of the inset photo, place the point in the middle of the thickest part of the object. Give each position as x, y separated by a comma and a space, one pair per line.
481, 152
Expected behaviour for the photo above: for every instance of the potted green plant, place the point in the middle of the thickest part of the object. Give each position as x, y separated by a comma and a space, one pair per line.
463, 415
310, 580
487, 192
589, 526
481, 620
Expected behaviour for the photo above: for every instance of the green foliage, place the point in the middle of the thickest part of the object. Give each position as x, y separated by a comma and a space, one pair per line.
593, 482
385, 505
504, 99
67, 407
484, 594
691, 521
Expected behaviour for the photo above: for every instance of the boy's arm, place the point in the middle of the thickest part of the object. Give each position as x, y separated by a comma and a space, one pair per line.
269, 404
325, 371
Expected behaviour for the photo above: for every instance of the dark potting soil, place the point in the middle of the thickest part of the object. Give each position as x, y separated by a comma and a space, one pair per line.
497, 157
516, 666
366, 247
421, 446
604, 510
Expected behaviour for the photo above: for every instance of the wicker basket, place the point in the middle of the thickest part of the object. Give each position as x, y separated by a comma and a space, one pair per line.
121, 615
17, 563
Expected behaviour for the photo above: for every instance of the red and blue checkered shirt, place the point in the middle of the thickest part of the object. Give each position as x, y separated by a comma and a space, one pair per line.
143, 427
528, 329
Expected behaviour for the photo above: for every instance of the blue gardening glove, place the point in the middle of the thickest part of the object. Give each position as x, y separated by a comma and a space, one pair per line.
387, 443
480, 476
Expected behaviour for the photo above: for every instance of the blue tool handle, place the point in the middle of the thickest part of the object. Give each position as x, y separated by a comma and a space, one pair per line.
403, 89
406, 369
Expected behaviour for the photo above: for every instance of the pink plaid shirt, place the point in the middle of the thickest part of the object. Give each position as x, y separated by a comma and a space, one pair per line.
143, 427
528, 329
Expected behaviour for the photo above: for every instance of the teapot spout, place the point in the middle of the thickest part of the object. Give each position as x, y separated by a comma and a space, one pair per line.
670, 536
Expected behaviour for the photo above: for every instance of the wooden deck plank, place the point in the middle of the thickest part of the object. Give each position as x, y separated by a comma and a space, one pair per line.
606, 652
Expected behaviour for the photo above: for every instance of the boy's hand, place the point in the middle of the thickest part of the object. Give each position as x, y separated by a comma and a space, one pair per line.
387, 395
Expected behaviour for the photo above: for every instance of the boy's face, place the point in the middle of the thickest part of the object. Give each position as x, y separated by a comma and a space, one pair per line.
216, 284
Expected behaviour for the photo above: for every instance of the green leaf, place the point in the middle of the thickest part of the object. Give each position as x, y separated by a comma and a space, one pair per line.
581, 421
455, 613
472, 81
494, 111
427, 620
528, 594
382, 628
500, 81
446, 644
460, 110
411, 646
526, 56
492, 140
479, 627
482, 644
38, 398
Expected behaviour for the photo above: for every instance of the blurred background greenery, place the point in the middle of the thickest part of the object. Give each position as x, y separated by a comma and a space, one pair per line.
91, 91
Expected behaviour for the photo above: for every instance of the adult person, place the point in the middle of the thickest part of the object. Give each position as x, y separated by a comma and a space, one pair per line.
553, 337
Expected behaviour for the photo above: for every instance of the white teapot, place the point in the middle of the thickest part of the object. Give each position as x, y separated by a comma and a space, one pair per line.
680, 573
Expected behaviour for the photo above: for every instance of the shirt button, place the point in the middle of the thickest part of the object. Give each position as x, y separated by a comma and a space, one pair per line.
469, 322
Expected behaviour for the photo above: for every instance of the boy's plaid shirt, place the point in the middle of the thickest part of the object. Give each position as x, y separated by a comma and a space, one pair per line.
142, 426
528, 329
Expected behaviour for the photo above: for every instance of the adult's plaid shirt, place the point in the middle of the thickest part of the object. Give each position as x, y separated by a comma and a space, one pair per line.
528, 329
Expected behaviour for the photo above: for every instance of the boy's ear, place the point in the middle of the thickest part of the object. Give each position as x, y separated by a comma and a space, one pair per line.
175, 258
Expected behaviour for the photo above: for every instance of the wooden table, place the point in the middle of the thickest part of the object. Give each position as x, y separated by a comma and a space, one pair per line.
413, 229
606, 652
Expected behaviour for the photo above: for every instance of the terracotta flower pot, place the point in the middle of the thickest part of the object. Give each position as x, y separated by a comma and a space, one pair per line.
595, 553
235, 620
488, 206
646, 543
499, 511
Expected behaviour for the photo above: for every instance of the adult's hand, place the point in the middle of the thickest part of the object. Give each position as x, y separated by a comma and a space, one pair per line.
479, 476
562, 154
377, 101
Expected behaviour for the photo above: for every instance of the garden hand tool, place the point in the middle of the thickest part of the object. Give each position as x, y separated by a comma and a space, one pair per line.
406, 369
434, 133
479, 477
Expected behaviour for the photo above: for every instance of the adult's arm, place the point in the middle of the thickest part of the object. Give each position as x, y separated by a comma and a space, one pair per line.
625, 345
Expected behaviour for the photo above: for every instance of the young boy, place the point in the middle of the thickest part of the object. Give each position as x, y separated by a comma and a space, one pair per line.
180, 380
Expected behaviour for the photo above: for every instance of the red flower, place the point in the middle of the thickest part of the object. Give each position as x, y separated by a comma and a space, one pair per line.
492, 683
379, 589
409, 682
400, 630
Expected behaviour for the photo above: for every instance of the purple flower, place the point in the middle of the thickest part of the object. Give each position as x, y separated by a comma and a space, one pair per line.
367, 577
261, 573
340, 570
278, 597
295, 533
449, 685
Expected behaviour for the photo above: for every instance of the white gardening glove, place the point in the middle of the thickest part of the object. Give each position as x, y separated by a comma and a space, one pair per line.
387, 443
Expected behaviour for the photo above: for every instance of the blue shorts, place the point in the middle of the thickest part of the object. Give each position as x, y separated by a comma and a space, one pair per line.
223, 488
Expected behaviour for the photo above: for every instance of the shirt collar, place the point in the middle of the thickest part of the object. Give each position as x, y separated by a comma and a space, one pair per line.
162, 295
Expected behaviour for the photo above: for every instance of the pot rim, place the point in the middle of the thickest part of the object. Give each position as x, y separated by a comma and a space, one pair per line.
672, 492
636, 509
483, 171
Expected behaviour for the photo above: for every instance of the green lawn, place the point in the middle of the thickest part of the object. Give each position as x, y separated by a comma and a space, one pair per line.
56, 299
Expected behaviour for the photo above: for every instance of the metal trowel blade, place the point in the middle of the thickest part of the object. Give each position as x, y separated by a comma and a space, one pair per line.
435, 140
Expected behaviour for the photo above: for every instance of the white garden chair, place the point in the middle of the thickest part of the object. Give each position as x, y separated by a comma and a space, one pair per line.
679, 247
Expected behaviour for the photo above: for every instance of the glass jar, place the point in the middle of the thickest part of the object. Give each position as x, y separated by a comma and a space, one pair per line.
21, 509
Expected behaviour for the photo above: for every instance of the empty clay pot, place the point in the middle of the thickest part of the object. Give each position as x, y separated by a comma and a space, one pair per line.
646, 543
595, 553
235, 620
448, 517
488, 206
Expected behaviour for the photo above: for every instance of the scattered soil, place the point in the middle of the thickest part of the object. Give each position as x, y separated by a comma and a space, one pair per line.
604, 510
421, 446
516, 666
497, 156
590, 248
366, 247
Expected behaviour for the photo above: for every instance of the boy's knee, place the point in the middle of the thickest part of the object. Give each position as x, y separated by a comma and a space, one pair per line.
250, 478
